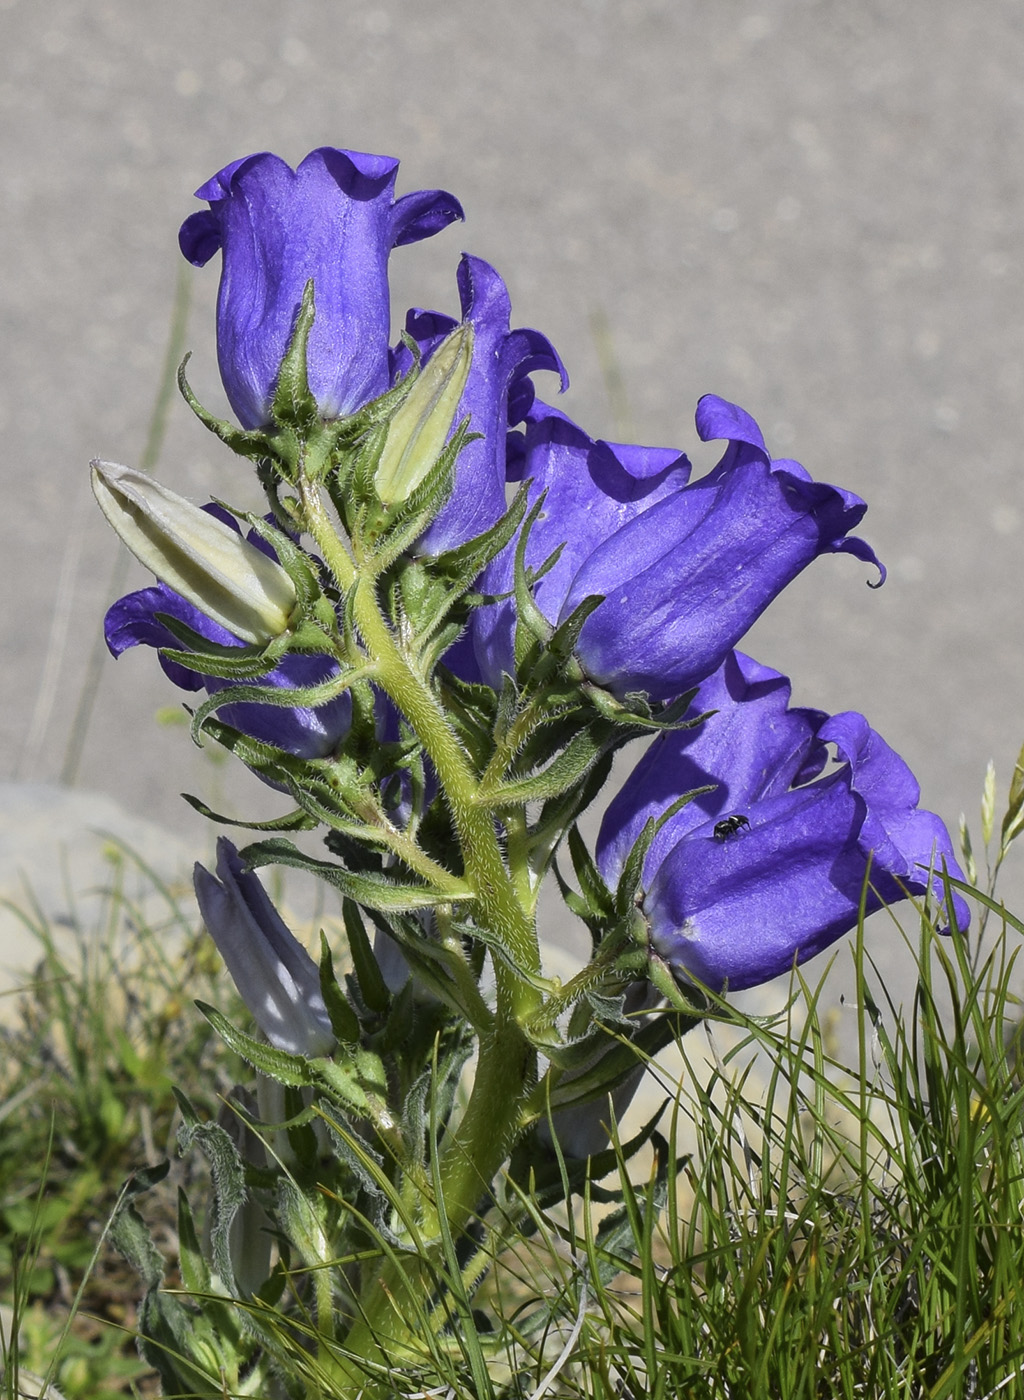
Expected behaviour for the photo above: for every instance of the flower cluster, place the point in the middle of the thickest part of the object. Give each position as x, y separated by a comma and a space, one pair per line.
457, 610
666, 571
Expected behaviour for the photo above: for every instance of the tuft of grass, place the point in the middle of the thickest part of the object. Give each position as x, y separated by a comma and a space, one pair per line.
90, 1051
849, 1232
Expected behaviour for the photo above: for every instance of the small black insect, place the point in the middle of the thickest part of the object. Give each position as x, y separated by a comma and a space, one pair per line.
729, 826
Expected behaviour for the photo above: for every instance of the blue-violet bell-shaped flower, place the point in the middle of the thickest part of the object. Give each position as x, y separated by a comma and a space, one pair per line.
769, 867
333, 219
497, 395
275, 976
684, 566
301, 730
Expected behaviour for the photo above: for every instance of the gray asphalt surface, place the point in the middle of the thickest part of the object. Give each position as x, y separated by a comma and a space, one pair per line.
813, 208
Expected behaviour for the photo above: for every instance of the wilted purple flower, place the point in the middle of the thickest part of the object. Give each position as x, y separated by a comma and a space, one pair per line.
770, 866
334, 219
275, 976
685, 567
497, 395
300, 730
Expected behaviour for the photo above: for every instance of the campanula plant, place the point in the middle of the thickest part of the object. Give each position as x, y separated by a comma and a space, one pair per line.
458, 609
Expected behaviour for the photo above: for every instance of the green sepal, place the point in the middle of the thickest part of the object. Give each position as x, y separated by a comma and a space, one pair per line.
334, 809
565, 771
471, 710
373, 891
350, 484
575, 903
293, 405
375, 1189
295, 561
444, 970
255, 445
212, 659
344, 1021
532, 627
630, 881
227, 1173
684, 998
359, 1082
270, 762
372, 987
636, 711
291, 821
282, 697
563, 639
596, 894
642, 1044
295, 1071
496, 946
560, 812
461, 565
129, 1232
304, 1222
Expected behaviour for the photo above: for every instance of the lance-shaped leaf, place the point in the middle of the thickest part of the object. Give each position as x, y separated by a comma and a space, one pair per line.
355, 1080
371, 890
566, 770
195, 554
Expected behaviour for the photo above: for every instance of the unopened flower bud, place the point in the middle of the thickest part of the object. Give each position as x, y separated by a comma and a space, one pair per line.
419, 429
275, 976
195, 554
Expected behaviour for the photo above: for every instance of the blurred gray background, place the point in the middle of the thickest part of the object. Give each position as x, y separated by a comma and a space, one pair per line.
813, 207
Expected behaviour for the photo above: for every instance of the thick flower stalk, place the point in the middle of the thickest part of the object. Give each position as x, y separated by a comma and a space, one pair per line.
334, 220
684, 567
771, 865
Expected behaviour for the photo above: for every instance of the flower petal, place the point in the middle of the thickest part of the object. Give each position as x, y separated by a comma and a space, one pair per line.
754, 747
333, 219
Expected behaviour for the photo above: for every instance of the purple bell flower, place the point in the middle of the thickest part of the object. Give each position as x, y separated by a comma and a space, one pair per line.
497, 395
334, 219
769, 867
275, 976
298, 730
685, 567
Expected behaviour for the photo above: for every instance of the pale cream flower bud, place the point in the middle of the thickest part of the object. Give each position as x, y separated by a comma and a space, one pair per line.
195, 554
419, 429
